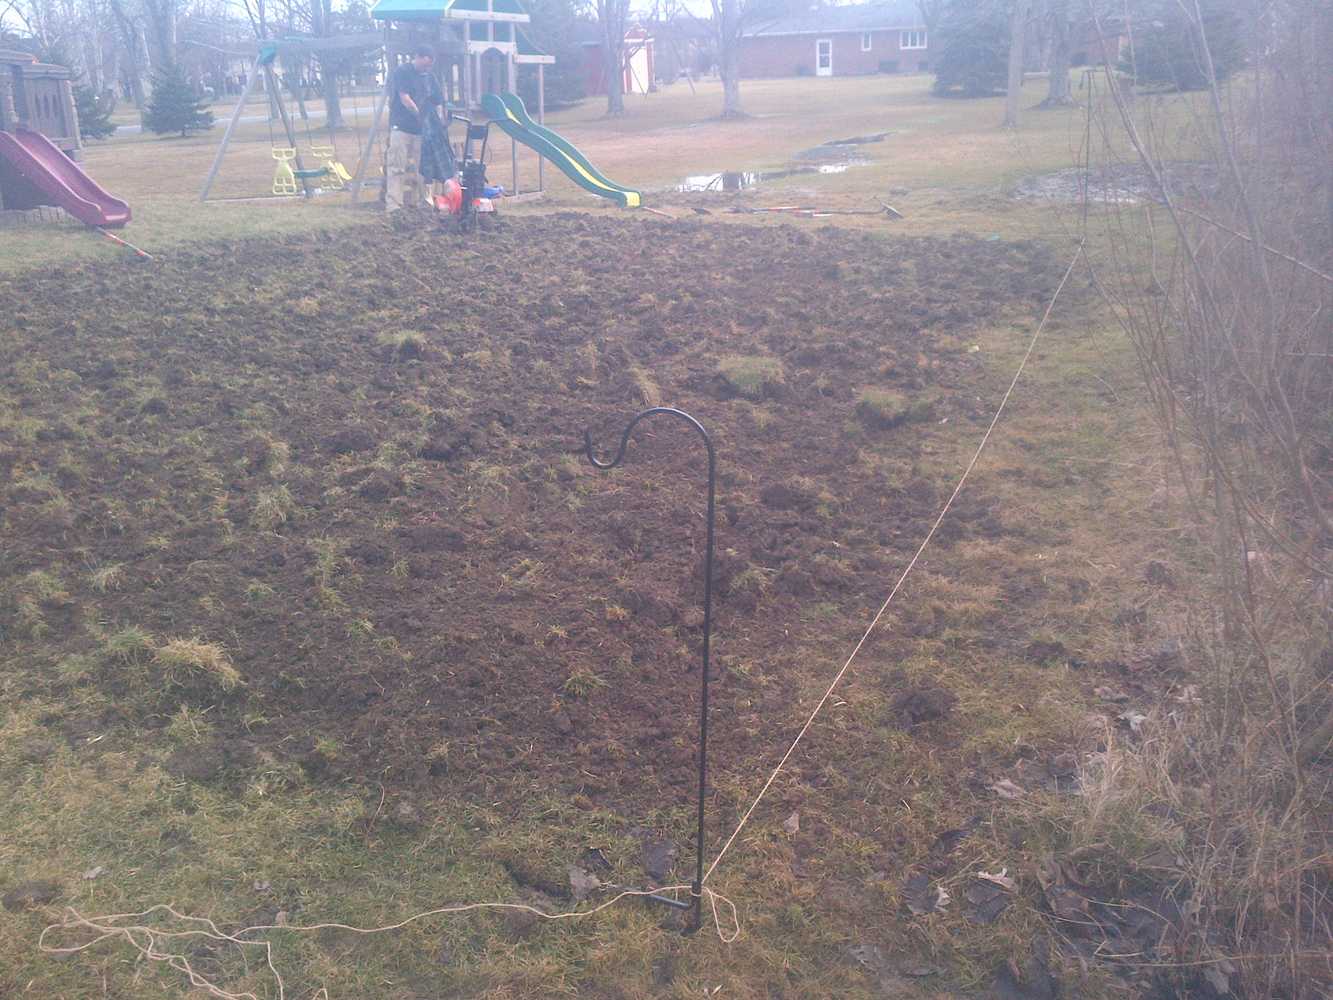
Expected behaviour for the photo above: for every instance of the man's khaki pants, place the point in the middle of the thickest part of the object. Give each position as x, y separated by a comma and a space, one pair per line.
404, 187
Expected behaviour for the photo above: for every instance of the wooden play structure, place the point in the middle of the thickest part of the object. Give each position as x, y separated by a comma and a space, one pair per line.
38, 97
479, 47
40, 142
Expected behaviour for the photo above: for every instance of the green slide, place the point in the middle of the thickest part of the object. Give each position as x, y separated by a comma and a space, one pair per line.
507, 112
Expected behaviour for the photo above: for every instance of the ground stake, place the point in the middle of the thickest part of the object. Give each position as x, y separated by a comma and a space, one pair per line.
696, 890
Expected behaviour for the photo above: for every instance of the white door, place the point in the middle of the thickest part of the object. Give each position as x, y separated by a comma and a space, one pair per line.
824, 57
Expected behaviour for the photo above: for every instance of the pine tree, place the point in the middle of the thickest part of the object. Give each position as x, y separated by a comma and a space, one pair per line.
173, 106
94, 115
1167, 49
974, 50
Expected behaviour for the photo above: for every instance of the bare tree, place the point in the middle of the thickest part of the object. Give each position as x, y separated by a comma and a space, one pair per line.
1018, 17
613, 16
131, 47
729, 24
160, 24
1058, 25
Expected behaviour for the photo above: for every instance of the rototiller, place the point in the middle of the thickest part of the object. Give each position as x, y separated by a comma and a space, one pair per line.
470, 196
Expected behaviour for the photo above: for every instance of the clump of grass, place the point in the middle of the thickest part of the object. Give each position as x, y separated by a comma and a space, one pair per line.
403, 344
106, 578
753, 376
256, 592
649, 392
192, 658
130, 644
882, 409
35, 593
188, 725
582, 683
273, 507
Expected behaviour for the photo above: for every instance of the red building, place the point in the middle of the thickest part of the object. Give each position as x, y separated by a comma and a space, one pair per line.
838, 41
638, 68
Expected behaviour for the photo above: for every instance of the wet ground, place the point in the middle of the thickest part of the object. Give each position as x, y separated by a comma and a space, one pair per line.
1122, 184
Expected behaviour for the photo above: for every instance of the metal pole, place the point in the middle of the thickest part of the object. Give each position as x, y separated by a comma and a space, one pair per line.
696, 890
541, 120
231, 127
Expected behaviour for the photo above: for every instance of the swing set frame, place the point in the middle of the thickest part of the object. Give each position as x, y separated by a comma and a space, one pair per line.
270, 51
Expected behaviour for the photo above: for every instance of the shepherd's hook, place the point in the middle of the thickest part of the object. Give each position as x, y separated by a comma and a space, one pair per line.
697, 889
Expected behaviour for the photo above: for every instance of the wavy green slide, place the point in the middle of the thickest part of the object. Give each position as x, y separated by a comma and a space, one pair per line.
507, 112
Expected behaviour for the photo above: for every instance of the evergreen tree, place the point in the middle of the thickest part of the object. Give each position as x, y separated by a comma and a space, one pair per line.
974, 49
173, 106
1166, 44
94, 115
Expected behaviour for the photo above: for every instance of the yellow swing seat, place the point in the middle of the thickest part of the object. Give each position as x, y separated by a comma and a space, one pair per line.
284, 178
336, 173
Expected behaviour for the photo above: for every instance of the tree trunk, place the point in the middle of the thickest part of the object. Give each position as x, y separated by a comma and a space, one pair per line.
728, 57
321, 17
133, 68
612, 14
1018, 15
1058, 94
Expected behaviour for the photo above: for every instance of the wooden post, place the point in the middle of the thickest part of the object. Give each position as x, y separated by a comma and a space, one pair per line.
226, 135
359, 180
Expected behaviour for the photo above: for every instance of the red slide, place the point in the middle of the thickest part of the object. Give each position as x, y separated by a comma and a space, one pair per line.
59, 178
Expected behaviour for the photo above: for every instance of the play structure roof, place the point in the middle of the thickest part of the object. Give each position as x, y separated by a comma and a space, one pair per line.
436, 10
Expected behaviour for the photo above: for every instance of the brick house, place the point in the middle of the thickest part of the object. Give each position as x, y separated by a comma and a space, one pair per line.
838, 41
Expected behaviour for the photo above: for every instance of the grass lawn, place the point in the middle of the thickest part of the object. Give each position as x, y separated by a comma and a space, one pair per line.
314, 614
949, 156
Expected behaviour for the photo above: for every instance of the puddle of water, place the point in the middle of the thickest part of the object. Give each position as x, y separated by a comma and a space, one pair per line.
743, 180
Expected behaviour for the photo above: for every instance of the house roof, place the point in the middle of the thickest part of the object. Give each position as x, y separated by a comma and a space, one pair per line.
436, 10
855, 17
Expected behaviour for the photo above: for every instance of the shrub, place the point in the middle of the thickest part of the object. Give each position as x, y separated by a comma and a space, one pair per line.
1166, 45
974, 50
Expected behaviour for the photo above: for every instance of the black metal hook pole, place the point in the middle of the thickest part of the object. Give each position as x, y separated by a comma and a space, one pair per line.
697, 890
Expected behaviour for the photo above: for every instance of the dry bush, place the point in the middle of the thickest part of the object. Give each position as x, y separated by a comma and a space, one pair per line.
1224, 289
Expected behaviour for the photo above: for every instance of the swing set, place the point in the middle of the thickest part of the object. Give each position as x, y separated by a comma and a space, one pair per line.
293, 174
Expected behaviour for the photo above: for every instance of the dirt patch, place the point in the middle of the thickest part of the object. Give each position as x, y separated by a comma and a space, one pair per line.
403, 557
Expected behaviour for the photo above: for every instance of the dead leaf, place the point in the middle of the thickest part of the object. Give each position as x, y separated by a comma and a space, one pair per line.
1006, 789
1134, 720
582, 882
1001, 879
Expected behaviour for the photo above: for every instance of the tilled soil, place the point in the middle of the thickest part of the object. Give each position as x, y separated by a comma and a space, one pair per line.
353, 462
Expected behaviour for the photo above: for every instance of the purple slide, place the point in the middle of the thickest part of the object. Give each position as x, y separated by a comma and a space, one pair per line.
44, 165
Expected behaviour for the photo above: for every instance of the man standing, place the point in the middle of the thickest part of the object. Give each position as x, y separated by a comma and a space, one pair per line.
413, 94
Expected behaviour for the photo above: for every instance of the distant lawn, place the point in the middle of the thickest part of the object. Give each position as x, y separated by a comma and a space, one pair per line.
941, 164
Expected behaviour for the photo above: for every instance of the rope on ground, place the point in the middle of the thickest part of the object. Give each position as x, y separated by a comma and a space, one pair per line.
151, 941
132, 928
837, 679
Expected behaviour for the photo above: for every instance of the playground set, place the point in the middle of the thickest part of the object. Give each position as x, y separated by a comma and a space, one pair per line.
480, 48
40, 143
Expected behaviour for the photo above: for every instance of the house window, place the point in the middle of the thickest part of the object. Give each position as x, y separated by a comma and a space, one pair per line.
912, 40
866, 40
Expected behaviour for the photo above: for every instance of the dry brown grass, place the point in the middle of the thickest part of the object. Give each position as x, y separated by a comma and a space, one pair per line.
194, 659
